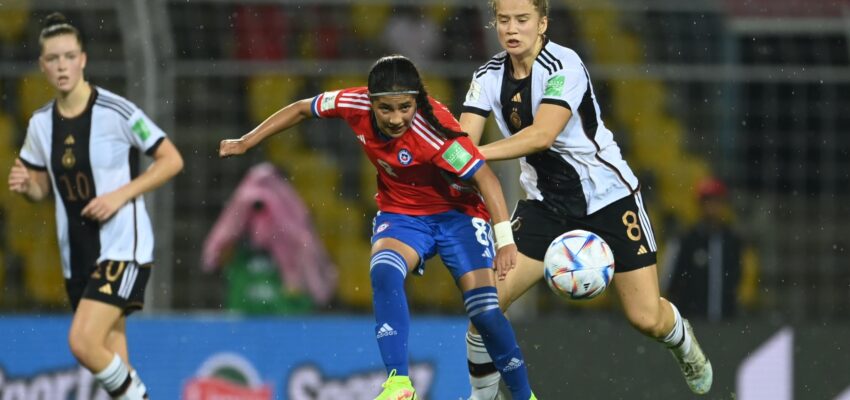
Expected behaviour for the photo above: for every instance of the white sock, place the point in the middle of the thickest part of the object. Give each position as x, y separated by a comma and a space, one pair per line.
115, 377
483, 387
678, 340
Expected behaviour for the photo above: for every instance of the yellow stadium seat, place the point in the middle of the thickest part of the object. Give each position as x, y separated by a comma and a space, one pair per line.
436, 289
8, 150
369, 19
268, 93
31, 230
368, 181
438, 13
352, 260
343, 81
440, 89
33, 92
15, 15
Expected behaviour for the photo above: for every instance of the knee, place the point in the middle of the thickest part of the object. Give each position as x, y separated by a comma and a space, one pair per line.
80, 343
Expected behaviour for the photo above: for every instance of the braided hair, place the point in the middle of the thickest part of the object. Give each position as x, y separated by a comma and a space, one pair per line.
396, 74
55, 25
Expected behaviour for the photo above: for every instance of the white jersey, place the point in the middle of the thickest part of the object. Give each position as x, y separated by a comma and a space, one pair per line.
583, 171
88, 156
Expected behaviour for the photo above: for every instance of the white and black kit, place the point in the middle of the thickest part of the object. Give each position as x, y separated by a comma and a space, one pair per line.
86, 156
582, 181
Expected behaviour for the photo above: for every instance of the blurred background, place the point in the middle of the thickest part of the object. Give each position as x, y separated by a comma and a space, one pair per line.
734, 115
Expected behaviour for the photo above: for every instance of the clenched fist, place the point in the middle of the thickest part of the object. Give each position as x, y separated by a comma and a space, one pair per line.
231, 147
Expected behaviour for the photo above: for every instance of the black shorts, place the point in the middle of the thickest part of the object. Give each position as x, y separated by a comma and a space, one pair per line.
119, 283
623, 224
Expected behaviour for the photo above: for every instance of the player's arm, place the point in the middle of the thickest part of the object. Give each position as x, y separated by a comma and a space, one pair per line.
548, 123
285, 118
491, 191
167, 163
473, 125
31, 183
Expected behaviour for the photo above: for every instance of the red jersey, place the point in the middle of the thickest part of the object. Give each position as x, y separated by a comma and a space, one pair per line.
420, 172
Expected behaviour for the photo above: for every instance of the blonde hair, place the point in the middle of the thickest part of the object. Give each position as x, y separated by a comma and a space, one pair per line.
542, 7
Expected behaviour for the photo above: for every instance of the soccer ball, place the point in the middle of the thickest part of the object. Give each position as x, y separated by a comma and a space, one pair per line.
578, 265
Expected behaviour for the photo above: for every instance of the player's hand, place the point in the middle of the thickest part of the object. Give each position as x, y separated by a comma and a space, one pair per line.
19, 178
232, 147
102, 208
505, 261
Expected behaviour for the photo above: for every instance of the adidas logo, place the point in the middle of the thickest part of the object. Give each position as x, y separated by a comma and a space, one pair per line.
386, 330
105, 289
642, 250
362, 138
514, 364
486, 254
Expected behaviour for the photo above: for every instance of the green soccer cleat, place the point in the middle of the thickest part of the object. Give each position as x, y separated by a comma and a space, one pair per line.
397, 388
695, 366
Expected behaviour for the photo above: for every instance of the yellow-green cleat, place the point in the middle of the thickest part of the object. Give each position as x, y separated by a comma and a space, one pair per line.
533, 397
397, 388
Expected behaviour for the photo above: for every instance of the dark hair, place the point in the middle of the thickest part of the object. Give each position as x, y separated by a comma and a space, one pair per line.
397, 73
56, 24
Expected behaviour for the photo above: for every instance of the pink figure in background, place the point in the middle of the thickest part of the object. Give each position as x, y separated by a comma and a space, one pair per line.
281, 226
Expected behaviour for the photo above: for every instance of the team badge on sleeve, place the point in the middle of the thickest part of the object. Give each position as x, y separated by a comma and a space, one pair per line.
328, 101
456, 156
140, 128
404, 157
555, 86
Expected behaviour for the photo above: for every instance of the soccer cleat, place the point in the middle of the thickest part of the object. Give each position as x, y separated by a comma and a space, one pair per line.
695, 366
397, 388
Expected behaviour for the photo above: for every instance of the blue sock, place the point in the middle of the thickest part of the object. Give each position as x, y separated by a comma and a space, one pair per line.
482, 306
392, 317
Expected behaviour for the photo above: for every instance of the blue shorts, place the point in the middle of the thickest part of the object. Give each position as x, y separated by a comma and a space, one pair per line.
464, 243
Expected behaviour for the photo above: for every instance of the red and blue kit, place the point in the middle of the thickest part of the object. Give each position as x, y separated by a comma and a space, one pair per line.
419, 173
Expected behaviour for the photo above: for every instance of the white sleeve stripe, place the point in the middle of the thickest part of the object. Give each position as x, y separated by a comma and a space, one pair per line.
418, 131
471, 166
355, 100
351, 105
429, 133
428, 128
356, 95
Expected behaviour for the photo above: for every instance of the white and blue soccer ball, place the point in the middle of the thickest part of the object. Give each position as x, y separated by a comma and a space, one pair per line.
578, 265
